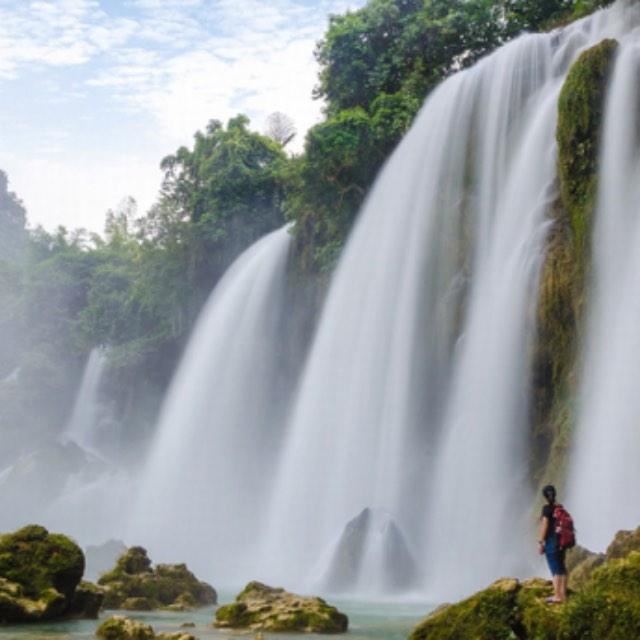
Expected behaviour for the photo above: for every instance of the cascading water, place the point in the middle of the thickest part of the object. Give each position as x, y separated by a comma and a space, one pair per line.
391, 413
83, 422
205, 486
604, 493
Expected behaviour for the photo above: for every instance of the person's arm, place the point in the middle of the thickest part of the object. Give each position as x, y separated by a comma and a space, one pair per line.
542, 534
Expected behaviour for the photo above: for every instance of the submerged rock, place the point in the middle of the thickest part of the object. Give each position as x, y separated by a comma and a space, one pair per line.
371, 547
134, 585
39, 577
121, 628
262, 608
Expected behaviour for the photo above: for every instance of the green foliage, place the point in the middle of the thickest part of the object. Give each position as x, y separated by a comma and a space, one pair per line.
13, 219
377, 66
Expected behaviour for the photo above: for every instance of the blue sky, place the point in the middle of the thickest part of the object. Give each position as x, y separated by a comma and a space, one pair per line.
94, 93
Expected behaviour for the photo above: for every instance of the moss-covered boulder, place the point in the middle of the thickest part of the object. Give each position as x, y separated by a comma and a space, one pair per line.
608, 605
121, 628
487, 615
262, 608
39, 576
605, 604
133, 584
623, 544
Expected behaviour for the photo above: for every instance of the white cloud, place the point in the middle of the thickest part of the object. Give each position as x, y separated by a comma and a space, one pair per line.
176, 63
77, 192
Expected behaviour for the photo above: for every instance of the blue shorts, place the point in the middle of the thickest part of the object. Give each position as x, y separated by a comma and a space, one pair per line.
555, 558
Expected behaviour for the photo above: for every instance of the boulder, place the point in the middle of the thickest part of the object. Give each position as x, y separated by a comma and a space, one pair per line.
581, 563
262, 608
133, 584
121, 628
39, 575
623, 544
372, 545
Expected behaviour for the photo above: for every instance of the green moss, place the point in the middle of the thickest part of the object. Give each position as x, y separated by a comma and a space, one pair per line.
259, 606
488, 615
605, 606
38, 561
580, 116
119, 628
623, 544
134, 584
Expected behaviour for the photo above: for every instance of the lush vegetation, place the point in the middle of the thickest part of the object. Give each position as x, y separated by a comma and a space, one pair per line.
138, 287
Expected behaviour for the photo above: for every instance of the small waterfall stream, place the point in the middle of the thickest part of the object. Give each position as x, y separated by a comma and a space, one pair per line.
605, 480
85, 415
206, 483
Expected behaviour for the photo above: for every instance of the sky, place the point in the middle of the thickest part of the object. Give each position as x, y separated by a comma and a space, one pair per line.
94, 93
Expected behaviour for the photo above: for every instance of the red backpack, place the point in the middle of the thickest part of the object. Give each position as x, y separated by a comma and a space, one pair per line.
566, 534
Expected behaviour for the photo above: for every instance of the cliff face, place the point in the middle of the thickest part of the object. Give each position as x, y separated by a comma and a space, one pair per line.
560, 313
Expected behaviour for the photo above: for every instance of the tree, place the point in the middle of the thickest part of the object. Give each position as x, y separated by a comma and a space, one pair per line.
13, 219
280, 128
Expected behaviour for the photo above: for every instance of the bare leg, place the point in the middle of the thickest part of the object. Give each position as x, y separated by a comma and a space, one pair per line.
556, 588
563, 587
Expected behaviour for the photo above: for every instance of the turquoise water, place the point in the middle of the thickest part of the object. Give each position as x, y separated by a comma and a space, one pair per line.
366, 620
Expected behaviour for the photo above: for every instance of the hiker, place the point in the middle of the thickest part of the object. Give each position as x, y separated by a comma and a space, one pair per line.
556, 536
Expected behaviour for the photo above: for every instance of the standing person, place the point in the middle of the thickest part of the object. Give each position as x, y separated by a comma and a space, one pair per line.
549, 545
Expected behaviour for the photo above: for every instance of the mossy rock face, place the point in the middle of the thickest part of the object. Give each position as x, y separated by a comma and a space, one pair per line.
39, 573
134, 585
487, 615
580, 119
568, 258
262, 608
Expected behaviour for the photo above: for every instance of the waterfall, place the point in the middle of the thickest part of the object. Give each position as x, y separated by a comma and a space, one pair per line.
204, 488
83, 423
414, 396
604, 487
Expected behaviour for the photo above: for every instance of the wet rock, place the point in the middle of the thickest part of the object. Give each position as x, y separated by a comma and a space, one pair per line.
262, 608
133, 584
39, 574
121, 628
